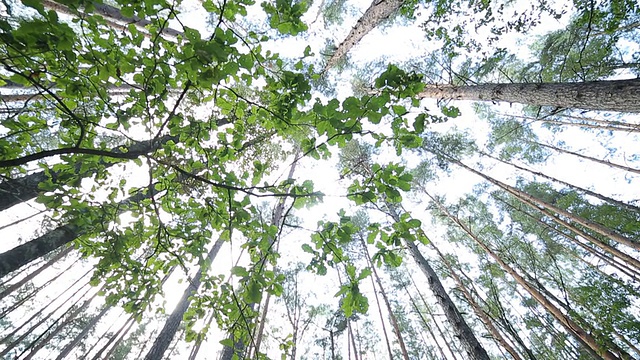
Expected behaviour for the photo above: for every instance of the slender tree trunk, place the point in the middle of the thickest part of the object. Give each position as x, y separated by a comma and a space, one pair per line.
571, 326
384, 328
392, 317
424, 322
277, 219
120, 335
23, 254
545, 205
18, 340
488, 323
78, 338
70, 316
433, 318
263, 320
608, 95
581, 189
22, 219
167, 333
33, 274
599, 161
619, 260
199, 341
460, 328
356, 356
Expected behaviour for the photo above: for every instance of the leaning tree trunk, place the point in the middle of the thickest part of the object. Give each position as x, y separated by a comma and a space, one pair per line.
378, 11
392, 317
167, 333
589, 158
276, 219
23, 254
608, 95
571, 326
462, 331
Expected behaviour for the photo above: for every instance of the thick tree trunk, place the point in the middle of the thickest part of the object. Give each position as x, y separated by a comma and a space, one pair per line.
378, 11
463, 332
23, 254
15, 191
475, 306
33, 274
167, 333
608, 95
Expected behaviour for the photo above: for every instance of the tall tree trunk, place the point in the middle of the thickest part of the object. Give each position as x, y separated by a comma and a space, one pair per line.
23, 254
581, 189
384, 327
427, 308
392, 316
608, 95
76, 340
545, 205
572, 327
378, 11
463, 332
276, 219
488, 323
33, 274
109, 12
596, 160
15, 191
260, 332
167, 333
120, 335
424, 322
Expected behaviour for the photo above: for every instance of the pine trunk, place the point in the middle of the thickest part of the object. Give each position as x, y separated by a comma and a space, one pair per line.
585, 157
392, 317
488, 323
167, 333
460, 328
572, 327
608, 95
23, 254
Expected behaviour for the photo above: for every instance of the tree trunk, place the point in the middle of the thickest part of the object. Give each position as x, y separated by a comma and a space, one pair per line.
378, 11
581, 189
167, 333
384, 328
475, 306
599, 161
424, 321
263, 320
392, 317
15, 191
608, 95
23, 254
571, 326
110, 12
545, 205
33, 274
463, 332
76, 340
277, 219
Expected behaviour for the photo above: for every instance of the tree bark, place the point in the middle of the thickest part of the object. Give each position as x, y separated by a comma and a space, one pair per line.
607, 95
378, 11
475, 306
571, 326
167, 333
585, 157
23, 254
463, 332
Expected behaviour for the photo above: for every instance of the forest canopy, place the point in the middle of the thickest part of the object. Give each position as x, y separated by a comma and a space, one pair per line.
226, 179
